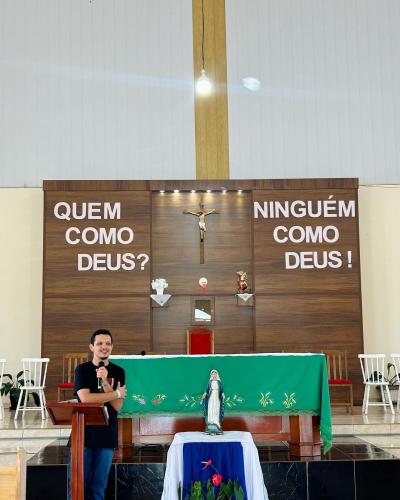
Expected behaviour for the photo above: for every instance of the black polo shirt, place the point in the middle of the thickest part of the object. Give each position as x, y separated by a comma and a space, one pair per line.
100, 436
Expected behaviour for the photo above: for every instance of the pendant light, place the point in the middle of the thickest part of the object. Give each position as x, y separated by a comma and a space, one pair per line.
203, 84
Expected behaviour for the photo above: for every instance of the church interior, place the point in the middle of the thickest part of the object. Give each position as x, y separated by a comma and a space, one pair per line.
216, 184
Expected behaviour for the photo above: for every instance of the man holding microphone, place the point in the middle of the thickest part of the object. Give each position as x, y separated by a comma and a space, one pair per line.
100, 381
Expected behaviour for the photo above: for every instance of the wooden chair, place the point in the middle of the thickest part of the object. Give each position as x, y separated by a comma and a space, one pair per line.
338, 376
200, 340
70, 362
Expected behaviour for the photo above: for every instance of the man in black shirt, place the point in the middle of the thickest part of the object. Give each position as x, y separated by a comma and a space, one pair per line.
104, 384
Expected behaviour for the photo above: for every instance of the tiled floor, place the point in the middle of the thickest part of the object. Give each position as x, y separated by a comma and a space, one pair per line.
379, 429
364, 448
30, 434
348, 471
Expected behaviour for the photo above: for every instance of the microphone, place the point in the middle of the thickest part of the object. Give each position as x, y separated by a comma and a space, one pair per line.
99, 386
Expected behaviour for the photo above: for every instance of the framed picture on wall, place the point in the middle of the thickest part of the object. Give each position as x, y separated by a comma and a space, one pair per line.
202, 310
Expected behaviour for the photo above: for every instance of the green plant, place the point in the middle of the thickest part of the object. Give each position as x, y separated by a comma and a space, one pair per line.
12, 388
392, 380
206, 491
214, 488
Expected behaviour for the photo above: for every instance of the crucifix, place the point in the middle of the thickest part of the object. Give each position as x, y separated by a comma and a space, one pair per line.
201, 214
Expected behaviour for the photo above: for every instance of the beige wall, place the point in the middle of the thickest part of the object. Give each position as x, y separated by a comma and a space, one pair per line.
21, 270
380, 267
21, 246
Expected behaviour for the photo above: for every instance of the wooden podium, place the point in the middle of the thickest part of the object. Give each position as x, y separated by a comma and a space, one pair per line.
78, 415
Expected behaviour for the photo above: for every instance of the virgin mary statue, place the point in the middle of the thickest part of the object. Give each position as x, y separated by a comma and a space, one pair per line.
213, 404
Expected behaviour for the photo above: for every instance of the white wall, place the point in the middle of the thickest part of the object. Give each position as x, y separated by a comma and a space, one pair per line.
98, 89
21, 270
329, 103
104, 89
21, 266
380, 267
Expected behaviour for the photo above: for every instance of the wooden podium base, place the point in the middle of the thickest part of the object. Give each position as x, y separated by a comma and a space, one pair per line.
78, 415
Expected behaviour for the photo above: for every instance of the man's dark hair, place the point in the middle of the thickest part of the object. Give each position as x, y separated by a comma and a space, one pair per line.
100, 331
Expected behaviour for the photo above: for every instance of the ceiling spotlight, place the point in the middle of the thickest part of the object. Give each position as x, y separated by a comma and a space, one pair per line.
251, 83
240, 191
209, 191
162, 191
193, 191
176, 190
224, 191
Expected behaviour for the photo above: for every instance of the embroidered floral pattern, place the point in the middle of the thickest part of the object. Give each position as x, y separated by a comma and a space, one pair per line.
234, 400
139, 398
266, 399
158, 399
289, 400
190, 401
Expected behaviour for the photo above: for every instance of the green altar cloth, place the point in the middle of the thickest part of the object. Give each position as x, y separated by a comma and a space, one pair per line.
254, 384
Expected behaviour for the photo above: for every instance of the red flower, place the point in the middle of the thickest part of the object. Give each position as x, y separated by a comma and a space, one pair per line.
216, 479
209, 462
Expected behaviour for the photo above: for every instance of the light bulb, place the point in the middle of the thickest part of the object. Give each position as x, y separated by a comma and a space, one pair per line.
203, 84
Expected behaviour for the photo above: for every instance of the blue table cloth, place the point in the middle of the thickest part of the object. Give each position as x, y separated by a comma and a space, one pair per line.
226, 459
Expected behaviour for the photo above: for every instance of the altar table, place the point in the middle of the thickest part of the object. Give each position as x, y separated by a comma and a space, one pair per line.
174, 473
254, 385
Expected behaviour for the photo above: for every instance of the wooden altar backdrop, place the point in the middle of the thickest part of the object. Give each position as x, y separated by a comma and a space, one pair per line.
107, 226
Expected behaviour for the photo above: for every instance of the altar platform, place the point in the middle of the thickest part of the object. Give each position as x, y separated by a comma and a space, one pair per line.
363, 464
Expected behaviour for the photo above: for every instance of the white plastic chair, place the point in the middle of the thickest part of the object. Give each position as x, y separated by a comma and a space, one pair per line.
396, 362
2, 363
34, 373
373, 370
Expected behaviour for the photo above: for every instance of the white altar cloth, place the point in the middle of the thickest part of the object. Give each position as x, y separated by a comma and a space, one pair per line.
255, 487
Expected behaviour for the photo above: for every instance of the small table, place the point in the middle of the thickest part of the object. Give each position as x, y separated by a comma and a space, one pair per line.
253, 474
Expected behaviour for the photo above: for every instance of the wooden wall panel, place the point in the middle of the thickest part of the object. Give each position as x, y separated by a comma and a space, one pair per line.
271, 275
175, 241
308, 309
211, 111
170, 325
234, 328
69, 323
75, 303
60, 264
295, 309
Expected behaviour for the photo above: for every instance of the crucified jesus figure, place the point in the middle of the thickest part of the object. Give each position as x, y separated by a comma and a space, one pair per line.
201, 214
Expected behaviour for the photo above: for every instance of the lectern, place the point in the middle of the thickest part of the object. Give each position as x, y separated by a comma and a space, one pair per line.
78, 415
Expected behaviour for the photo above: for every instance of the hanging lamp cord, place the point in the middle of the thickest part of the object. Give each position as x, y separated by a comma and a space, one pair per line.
202, 33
